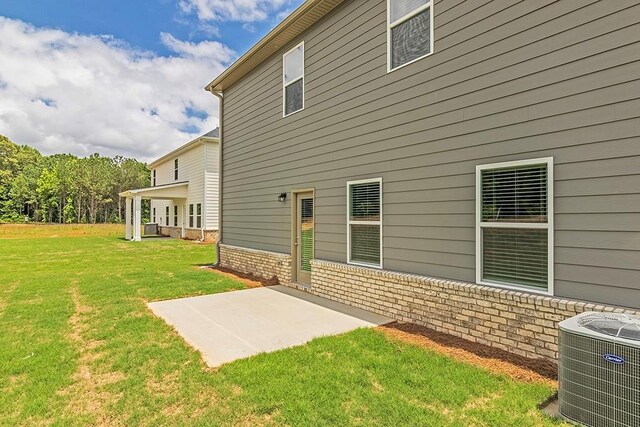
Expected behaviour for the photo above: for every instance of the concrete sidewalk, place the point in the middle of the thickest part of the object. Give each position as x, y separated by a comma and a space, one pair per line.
234, 325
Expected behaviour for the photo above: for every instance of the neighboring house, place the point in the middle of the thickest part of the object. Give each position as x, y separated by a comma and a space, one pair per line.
470, 166
183, 192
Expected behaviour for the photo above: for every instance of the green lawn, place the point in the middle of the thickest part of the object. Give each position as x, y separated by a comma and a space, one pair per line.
79, 347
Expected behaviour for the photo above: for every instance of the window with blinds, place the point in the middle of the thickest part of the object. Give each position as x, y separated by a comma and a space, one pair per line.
515, 224
293, 80
175, 216
409, 31
199, 215
364, 222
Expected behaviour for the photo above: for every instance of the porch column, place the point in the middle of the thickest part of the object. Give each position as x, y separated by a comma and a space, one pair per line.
137, 218
127, 220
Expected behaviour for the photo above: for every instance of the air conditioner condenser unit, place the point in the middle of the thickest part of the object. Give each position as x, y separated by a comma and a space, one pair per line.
599, 369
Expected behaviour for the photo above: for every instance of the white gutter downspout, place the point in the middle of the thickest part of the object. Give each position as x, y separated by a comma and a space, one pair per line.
220, 166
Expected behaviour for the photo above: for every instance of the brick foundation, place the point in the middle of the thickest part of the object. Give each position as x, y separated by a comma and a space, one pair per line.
518, 322
261, 263
190, 233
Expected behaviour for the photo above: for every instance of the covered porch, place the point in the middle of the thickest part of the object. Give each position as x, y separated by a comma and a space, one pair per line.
177, 191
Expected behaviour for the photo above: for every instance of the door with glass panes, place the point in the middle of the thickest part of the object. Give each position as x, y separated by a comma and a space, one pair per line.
304, 236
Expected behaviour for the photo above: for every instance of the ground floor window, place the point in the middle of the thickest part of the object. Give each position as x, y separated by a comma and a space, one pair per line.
199, 215
166, 216
191, 215
514, 224
154, 215
175, 216
364, 222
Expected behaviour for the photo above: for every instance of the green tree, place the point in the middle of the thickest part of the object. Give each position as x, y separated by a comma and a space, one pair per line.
63, 187
48, 188
69, 213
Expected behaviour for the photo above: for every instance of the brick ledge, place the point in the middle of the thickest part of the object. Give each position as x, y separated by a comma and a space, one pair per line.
257, 251
511, 295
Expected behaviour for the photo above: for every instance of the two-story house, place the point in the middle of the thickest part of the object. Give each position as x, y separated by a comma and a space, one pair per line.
183, 194
472, 166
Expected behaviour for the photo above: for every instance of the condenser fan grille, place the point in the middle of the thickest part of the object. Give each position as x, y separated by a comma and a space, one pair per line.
620, 326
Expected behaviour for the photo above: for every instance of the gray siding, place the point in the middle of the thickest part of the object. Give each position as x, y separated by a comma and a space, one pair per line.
507, 81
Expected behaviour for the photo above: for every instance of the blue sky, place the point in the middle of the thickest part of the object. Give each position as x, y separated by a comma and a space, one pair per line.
120, 76
139, 22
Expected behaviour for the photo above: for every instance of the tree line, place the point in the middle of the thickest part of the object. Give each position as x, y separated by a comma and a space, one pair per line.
64, 188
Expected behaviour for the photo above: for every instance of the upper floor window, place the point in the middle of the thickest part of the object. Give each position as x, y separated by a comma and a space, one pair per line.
293, 80
154, 177
514, 228
175, 169
409, 31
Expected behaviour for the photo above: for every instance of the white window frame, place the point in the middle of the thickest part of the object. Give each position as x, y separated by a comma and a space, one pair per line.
285, 85
399, 21
176, 169
549, 225
155, 174
350, 223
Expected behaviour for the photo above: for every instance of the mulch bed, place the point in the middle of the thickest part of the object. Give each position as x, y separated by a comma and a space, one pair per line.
249, 279
493, 359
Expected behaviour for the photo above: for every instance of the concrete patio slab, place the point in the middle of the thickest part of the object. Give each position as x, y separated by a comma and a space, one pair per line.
234, 325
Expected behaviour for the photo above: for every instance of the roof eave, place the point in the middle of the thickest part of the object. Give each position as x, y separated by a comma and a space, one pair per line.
291, 27
182, 148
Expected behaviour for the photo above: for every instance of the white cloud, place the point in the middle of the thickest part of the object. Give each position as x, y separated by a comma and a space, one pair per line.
62, 92
235, 10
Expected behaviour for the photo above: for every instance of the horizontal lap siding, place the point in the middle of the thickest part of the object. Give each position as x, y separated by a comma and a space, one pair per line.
507, 81
190, 168
211, 190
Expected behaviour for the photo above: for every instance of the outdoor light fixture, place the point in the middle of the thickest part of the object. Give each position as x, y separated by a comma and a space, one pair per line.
282, 197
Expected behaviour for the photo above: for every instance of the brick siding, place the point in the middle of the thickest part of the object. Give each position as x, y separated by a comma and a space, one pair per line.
518, 322
190, 233
261, 263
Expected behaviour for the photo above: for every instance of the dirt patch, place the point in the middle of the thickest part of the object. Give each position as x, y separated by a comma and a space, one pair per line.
4, 294
165, 386
250, 280
173, 410
492, 359
482, 402
255, 420
14, 383
87, 394
236, 390
36, 300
